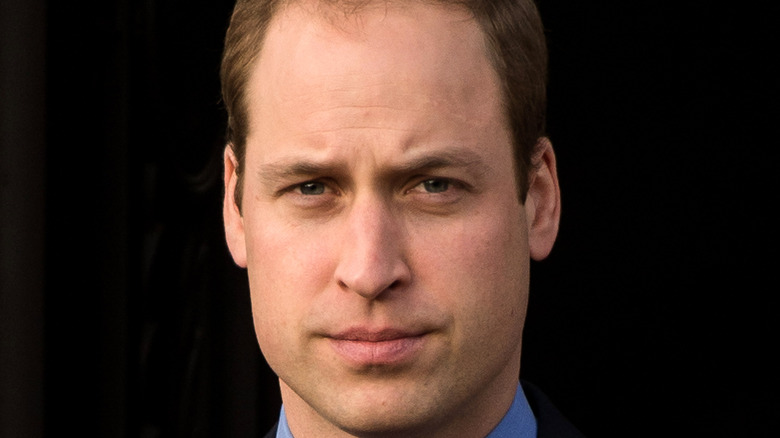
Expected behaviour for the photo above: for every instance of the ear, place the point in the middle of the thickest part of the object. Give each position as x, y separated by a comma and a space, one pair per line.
234, 222
543, 202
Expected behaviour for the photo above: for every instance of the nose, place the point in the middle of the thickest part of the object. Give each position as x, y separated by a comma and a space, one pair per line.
372, 259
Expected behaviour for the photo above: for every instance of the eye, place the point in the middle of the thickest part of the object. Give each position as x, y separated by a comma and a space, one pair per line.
437, 185
312, 188
437, 195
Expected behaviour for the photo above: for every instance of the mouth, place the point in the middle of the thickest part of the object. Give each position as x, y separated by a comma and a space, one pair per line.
369, 348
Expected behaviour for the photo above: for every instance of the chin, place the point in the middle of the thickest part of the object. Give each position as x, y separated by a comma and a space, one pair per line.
383, 410
385, 424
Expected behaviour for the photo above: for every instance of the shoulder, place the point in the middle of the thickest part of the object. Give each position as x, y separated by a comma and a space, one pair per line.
549, 420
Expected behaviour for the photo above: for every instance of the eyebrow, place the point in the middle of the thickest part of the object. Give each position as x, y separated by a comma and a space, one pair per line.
286, 169
458, 158
452, 158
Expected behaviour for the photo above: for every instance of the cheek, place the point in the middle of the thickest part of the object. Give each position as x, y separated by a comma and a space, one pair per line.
482, 274
285, 261
287, 268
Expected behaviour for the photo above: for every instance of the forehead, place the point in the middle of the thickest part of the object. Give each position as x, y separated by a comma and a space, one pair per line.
317, 61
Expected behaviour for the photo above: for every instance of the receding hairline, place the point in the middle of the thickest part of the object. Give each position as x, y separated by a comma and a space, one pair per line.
356, 8
334, 12
514, 44
348, 9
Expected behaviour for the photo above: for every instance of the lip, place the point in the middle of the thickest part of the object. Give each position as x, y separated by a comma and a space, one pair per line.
369, 348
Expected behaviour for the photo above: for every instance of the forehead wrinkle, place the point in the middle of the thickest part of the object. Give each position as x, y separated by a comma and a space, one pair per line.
326, 95
367, 128
325, 116
326, 122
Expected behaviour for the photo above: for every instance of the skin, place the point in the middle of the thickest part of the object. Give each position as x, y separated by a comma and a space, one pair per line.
386, 247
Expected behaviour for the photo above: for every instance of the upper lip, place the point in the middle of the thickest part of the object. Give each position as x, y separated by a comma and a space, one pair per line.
360, 334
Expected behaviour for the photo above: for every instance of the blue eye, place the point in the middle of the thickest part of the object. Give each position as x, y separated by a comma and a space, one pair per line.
312, 188
436, 185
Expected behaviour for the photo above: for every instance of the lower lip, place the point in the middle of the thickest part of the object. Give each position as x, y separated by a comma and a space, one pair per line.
389, 352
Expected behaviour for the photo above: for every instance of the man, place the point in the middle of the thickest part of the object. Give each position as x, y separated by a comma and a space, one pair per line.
386, 183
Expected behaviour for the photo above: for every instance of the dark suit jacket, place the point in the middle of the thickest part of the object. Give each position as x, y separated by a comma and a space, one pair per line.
550, 423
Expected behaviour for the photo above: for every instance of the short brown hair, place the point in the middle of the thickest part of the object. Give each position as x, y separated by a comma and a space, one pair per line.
517, 50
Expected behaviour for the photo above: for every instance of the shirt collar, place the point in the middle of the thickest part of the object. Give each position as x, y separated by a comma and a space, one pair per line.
519, 421
283, 430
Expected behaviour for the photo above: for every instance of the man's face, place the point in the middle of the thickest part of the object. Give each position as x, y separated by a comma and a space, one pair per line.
386, 246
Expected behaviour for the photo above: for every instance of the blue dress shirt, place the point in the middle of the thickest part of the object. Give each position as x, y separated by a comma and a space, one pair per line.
519, 421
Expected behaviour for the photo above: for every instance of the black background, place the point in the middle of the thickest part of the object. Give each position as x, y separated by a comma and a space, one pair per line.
654, 316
